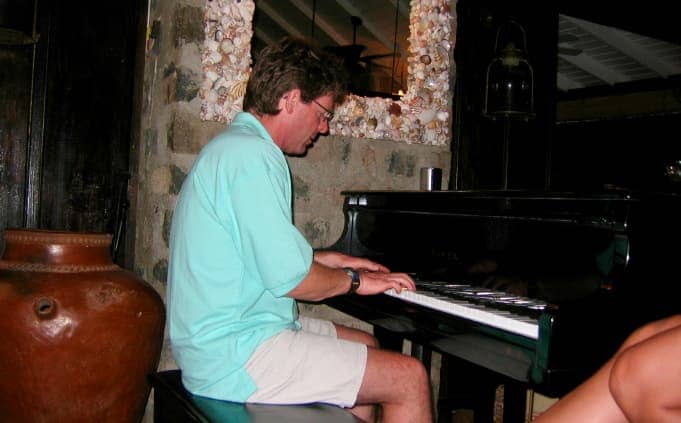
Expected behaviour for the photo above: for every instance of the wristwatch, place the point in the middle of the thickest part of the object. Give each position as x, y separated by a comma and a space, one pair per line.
354, 279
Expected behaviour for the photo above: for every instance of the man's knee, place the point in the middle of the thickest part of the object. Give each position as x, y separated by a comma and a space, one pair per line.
403, 370
417, 372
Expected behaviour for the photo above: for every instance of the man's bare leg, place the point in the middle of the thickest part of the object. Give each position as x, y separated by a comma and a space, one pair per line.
396, 381
400, 384
366, 412
356, 335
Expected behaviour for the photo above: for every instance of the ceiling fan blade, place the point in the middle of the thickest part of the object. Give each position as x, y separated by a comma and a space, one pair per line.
350, 52
378, 56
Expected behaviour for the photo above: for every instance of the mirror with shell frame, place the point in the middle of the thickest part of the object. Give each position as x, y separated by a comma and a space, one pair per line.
370, 37
421, 116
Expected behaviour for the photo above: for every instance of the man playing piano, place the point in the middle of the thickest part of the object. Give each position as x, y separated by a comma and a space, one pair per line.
238, 264
641, 383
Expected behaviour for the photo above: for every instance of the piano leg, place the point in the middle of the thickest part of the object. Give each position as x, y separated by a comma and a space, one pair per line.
388, 340
423, 354
515, 401
469, 387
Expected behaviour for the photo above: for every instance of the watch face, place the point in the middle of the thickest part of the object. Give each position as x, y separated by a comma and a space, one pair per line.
354, 279
355, 276
352, 273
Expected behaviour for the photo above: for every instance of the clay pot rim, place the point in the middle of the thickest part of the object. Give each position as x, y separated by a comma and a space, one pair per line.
56, 237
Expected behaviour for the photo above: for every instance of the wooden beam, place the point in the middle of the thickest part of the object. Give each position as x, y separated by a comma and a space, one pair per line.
625, 42
280, 20
321, 23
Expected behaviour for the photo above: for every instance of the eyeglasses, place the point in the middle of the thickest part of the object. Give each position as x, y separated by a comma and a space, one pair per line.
328, 114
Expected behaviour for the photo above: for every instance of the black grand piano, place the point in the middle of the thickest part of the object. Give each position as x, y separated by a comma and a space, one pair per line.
535, 290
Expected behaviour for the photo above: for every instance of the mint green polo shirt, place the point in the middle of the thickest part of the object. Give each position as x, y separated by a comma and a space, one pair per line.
234, 255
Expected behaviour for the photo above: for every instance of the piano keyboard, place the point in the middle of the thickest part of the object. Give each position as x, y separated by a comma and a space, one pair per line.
477, 304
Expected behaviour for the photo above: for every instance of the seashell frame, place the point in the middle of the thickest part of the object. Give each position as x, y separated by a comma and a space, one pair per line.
422, 116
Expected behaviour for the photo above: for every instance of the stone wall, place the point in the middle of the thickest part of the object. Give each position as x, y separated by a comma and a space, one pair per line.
172, 133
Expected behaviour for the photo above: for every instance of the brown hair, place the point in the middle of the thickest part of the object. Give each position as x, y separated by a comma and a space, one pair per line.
291, 64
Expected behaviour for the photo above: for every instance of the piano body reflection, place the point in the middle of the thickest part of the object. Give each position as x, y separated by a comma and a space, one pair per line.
539, 288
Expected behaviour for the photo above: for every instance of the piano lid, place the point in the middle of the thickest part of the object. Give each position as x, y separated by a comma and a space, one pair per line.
605, 208
552, 246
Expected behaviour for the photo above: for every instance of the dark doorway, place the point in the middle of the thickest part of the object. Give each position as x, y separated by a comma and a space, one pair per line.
66, 98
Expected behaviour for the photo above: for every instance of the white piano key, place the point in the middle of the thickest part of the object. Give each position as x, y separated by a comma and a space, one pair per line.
501, 319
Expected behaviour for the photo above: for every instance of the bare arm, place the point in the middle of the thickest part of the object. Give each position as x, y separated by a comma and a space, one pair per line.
338, 260
327, 279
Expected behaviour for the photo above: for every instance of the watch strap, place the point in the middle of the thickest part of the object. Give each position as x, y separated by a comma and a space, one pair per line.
354, 279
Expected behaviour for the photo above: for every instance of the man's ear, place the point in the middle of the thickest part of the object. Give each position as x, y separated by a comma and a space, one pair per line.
289, 100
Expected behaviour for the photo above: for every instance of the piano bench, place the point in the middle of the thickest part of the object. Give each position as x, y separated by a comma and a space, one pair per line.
174, 404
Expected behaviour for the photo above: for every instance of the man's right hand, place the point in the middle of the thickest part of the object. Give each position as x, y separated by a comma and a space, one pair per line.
378, 282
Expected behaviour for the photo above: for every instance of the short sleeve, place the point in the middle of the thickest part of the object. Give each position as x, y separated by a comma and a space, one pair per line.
273, 249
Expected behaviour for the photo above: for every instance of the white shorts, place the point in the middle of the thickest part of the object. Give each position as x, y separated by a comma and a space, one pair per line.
306, 366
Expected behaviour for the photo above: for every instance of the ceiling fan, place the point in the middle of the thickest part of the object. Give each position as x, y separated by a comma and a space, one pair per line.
352, 53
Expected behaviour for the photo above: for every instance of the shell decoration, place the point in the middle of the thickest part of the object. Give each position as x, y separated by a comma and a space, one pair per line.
225, 58
425, 110
426, 107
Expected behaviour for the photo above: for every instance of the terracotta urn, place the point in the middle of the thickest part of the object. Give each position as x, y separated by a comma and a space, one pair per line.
78, 334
